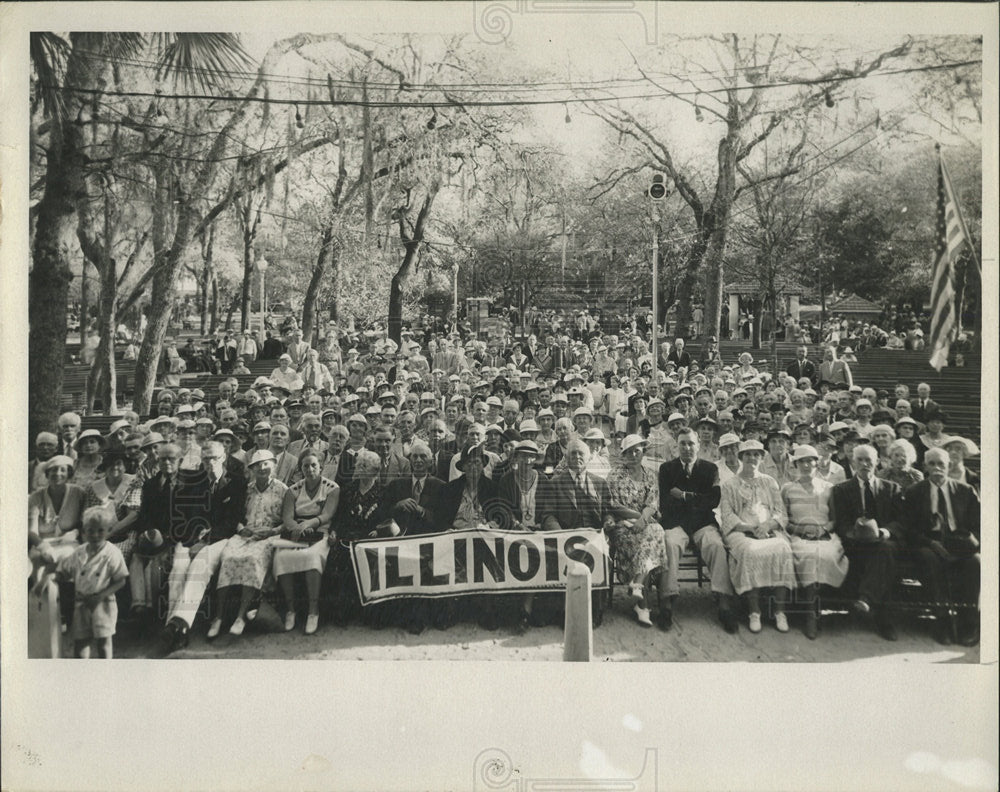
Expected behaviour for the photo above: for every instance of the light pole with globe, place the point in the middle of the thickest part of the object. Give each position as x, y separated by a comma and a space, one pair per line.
262, 266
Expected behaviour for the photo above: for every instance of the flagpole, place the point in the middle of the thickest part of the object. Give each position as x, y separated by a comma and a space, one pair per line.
958, 210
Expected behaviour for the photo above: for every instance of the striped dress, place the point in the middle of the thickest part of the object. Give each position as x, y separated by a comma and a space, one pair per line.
819, 560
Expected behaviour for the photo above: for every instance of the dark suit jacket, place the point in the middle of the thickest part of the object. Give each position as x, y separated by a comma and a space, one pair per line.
432, 500
846, 507
393, 468
697, 511
451, 499
806, 369
508, 498
922, 528
683, 360
565, 506
920, 413
220, 509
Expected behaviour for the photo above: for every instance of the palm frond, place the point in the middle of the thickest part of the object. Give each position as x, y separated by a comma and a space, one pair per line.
202, 60
48, 53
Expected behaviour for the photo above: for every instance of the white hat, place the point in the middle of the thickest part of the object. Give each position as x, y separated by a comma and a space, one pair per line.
595, 434
633, 440
804, 451
750, 445
675, 417
262, 455
728, 439
528, 425
583, 411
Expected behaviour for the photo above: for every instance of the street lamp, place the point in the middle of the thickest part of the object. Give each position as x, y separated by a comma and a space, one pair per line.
262, 266
657, 192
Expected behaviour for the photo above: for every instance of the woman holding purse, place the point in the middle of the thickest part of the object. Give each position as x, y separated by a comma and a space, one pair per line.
307, 510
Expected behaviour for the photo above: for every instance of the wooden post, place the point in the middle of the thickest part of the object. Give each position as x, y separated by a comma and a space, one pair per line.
578, 635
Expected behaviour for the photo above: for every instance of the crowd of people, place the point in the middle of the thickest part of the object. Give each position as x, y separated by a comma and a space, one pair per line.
785, 484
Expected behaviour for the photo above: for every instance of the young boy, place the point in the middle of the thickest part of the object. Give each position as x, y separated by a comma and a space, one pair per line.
98, 570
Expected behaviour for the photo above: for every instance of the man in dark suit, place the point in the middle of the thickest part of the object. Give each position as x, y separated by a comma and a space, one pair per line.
689, 493
943, 526
866, 516
576, 499
207, 508
802, 366
394, 466
923, 406
679, 356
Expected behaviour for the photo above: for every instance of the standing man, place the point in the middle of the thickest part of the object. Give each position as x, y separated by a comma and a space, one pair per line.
866, 512
689, 494
802, 366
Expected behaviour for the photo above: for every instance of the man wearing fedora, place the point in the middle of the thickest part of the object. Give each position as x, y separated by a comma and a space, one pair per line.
866, 517
943, 528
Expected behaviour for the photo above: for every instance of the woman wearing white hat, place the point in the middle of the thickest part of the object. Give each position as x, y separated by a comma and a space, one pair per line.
753, 520
638, 536
729, 457
958, 449
247, 556
745, 371
817, 552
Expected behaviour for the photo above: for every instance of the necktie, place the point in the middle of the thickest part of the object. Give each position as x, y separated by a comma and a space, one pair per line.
418, 487
869, 500
942, 510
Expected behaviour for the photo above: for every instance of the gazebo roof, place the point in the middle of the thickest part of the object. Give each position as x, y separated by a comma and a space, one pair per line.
748, 287
853, 303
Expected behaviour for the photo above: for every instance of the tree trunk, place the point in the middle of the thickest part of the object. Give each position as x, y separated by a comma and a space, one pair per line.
215, 307
245, 300
50, 276
206, 279
327, 252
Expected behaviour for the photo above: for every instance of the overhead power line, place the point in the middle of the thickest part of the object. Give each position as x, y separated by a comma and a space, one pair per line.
447, 102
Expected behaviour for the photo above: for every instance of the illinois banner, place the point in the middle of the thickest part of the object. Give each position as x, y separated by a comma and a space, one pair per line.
475, 561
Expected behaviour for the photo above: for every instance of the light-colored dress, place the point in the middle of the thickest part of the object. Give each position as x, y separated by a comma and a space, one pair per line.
246, 561
816, 560
58, 530
637, 551
309, 557
755, 563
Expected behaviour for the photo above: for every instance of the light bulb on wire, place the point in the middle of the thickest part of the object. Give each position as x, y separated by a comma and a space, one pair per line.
698, 116
829, 98
567, 119
298, 119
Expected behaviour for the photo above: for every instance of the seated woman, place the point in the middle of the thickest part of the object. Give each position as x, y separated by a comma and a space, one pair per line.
958, 449
640, 552
554, 452
817, 552
753, 519
307, 509
900, 470
55, 514
882, 437
89, 446
109, 493
247, 557
467, 499
357, 516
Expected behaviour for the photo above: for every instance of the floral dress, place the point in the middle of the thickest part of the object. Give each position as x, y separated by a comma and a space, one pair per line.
637, 551
245, 561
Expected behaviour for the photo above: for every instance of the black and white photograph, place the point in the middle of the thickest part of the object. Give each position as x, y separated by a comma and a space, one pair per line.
470, 339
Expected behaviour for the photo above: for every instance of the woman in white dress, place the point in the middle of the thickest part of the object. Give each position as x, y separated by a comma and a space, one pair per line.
109, 493
247, 557
753, 521
307, 510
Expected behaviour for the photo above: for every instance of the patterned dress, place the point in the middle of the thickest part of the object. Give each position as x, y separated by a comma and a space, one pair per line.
311, 556
99, 494
819, 560
755, 563
245, 561
638, 551
905, 478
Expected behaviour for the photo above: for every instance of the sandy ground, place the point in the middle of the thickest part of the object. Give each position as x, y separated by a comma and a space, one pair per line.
696, 636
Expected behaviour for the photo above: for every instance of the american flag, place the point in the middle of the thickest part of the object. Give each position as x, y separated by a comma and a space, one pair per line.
950, 240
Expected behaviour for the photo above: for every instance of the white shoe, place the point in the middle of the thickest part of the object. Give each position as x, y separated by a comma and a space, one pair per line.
636, 590
755, 625
289, 621
642, 614
781, 622
251, 615
237, 628
312, 622
214, 629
